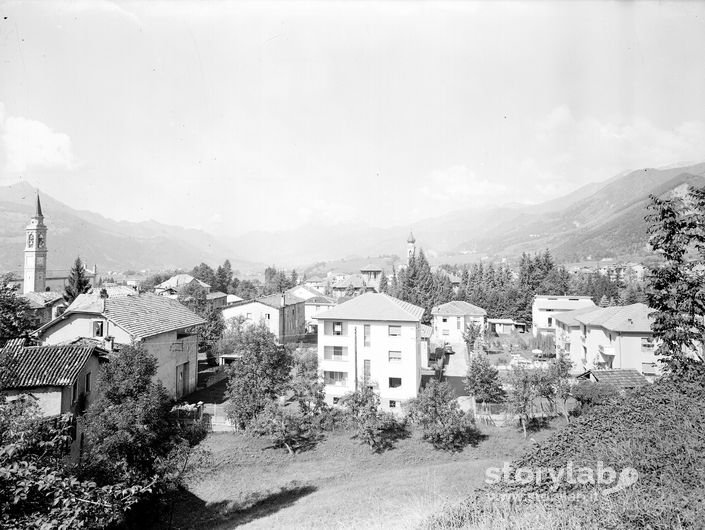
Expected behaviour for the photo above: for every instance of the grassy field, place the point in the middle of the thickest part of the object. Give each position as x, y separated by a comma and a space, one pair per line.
339, 484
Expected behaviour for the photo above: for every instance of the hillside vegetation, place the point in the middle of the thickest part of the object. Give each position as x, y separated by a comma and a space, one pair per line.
658, 430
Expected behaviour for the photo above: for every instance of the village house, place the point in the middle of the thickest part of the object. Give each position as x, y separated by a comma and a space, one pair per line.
618, 337
283, 314
505, 326
313, 307
216, 300
373, 340
348, 285
450, 320
371, 274
173, 285
60, 379
545, 306
165, 328
569, 336
44, 306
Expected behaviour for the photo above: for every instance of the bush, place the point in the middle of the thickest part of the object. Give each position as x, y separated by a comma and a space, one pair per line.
589, 393
285, 428
444, 424
380, 430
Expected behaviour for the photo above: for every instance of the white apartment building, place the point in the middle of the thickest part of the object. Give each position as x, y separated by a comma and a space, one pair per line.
546, 306
450, 320
374, 340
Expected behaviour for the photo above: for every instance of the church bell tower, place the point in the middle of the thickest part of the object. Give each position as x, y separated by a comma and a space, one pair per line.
35, 253
410, 246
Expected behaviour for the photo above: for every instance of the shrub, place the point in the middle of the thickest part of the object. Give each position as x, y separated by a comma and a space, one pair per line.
285, 428
380, 430
589, 394
444, 424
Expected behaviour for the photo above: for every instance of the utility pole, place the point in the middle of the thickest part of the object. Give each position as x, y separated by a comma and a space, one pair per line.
356, 383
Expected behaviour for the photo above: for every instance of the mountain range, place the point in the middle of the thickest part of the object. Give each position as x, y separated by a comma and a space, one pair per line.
604, 219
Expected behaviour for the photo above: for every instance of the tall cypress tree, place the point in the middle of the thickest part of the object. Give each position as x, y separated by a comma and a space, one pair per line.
78, 282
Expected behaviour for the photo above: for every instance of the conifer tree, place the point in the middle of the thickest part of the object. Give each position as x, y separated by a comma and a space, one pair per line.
383, 283
78, 283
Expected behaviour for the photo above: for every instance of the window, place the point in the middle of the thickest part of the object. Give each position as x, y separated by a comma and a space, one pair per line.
267, 316
394, 331
335, 378
647, 344
336, 400
445, 320
249, 316
335, 353
394, 382
458, 322
550, 321
88, 382
445, 332
97, 328
367, 334
337, 328
394, 356
392, 404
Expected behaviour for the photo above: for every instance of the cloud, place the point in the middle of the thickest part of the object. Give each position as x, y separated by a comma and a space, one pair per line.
30, 144
459, 186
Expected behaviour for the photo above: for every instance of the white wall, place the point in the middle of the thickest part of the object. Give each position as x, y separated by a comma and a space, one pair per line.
452, 330
540, 313
381, 368
255, 312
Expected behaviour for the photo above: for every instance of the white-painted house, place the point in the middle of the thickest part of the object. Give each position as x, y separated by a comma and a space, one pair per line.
375, 340
546, 306
284, 315
451, 319
163, 326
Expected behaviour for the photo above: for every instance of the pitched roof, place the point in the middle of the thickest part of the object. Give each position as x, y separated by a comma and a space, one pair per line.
353, 280
179, 280
458, 308
39, 300
310, 291
371, 268
215, 295
46, 365
616, 378
114, 290
569, 318
374, 306
411, 238
272, 300
630, 318
141, 315
320, 300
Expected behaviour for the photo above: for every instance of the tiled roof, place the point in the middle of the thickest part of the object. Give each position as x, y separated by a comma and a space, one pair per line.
46, 365
320, 300
147, 315
458, 308
569, 318
272, 300
215, 295
374, 306
353, 280
310, 292
42, 299
616, 378
371, 268
141, 316
630, 318
178, 281
114, 290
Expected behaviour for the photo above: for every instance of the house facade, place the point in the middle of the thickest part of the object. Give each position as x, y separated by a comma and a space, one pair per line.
545, 306
165, 328
373, 340
450, 320
283, 314
313, 307
617, 337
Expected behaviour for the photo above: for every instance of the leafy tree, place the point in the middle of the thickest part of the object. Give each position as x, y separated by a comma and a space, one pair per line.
194, 296
677, 284
78, 282
287, 428
589, 393
210, 335
38, 488
482, 381
522, 393
15, 314
246, 289
473, 332
149, 283
260, 374
378, 429
130, 432
205, 273
444, 425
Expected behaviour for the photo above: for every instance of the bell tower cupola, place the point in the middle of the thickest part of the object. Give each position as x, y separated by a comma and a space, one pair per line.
35, 252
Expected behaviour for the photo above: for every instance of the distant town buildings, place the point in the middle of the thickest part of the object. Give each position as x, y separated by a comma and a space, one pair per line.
545, 306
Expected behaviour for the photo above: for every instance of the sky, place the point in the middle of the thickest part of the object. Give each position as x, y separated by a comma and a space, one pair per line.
237, 116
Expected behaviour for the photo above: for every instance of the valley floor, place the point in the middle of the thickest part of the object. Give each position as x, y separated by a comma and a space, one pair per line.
339, 484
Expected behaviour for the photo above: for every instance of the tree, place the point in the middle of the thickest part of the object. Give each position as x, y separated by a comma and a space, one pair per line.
223, 277
444, 425
210, 335
15, 314
482, 381
78, 282
523, 391
383, 283
260, 375
378, 429
473, 331
205, 273
677, 284
130, 432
